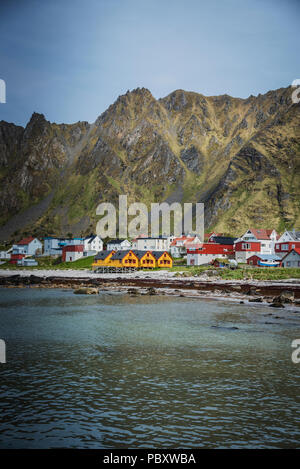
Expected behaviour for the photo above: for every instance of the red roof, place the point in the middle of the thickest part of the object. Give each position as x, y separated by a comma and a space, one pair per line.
25, 241
193, 245
208, 235
185, 239
73, 248
261, 233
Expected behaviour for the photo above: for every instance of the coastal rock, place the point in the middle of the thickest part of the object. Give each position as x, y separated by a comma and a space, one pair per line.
255, 300
287, 296
277, 302
86, 291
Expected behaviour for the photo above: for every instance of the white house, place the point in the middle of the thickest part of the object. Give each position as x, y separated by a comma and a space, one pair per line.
266, 238
118, 245
178, 246
53, 246
289, 236
159, 243
93, 243
291, 259
27, 246
5, 254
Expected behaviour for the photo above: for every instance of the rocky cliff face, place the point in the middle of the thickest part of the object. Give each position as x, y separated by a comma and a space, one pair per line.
239, 156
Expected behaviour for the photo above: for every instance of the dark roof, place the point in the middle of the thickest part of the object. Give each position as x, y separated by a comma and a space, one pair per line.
116, 241
139, 253
158, 254
120, 254
102, 255
295, 235
91, 237
224, 239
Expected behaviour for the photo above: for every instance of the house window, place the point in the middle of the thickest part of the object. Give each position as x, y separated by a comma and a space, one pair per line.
293, 246
288, 263
285, 247
246, 246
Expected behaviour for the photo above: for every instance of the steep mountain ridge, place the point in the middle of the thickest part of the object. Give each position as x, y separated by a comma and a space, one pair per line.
239, 156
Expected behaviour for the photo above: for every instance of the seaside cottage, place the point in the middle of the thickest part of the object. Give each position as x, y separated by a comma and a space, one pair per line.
30, 262
163, 259
72, 253
178, 247
118, 245
26, 247
146, 259
291, 259
288, 240
264, 260
160, 243
54, 246
102, 259
93, 243
255, 241
124, 259
205, 253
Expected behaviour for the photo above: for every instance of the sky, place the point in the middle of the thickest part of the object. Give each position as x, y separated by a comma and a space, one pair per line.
71, 59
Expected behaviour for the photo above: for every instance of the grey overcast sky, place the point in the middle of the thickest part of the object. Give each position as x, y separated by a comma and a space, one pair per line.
70, 59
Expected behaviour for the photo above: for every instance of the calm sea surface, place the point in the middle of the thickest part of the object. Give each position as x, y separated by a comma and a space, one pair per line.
113, 371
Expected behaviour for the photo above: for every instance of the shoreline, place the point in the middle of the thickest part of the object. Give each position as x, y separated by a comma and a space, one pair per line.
162, 282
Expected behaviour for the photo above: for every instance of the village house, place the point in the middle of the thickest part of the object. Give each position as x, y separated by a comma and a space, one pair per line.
149, 243
291, 259
124, 259
163, 259
27, 262
255, 241
5, 255
133, 259
72, 253
220, 247
209, 236
264, 260
53, 246
146, 259
93, 243
118, 245
178, 247
102, 259
26, 247
288, 240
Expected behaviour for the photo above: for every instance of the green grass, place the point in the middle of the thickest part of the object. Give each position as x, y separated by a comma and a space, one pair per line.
48, 263
260, 273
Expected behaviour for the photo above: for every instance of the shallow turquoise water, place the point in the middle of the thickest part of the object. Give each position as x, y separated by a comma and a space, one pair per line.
113, 371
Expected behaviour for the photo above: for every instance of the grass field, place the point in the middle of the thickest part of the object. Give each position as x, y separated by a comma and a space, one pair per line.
243, 272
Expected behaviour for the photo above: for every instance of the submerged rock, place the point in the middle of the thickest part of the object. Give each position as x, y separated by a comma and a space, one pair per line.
86, 291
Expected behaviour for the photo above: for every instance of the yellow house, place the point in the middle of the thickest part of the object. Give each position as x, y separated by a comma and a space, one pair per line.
102, 259
163, 259
146, 259
124, 259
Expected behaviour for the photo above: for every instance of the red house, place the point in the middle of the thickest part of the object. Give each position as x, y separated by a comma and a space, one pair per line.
283, 248
72, 252
207, 252
14, 258
245, 249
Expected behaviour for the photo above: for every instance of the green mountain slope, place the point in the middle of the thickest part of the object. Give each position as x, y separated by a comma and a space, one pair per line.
239, 156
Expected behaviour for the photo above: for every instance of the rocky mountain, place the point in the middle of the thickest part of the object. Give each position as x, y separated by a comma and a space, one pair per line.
241, 157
